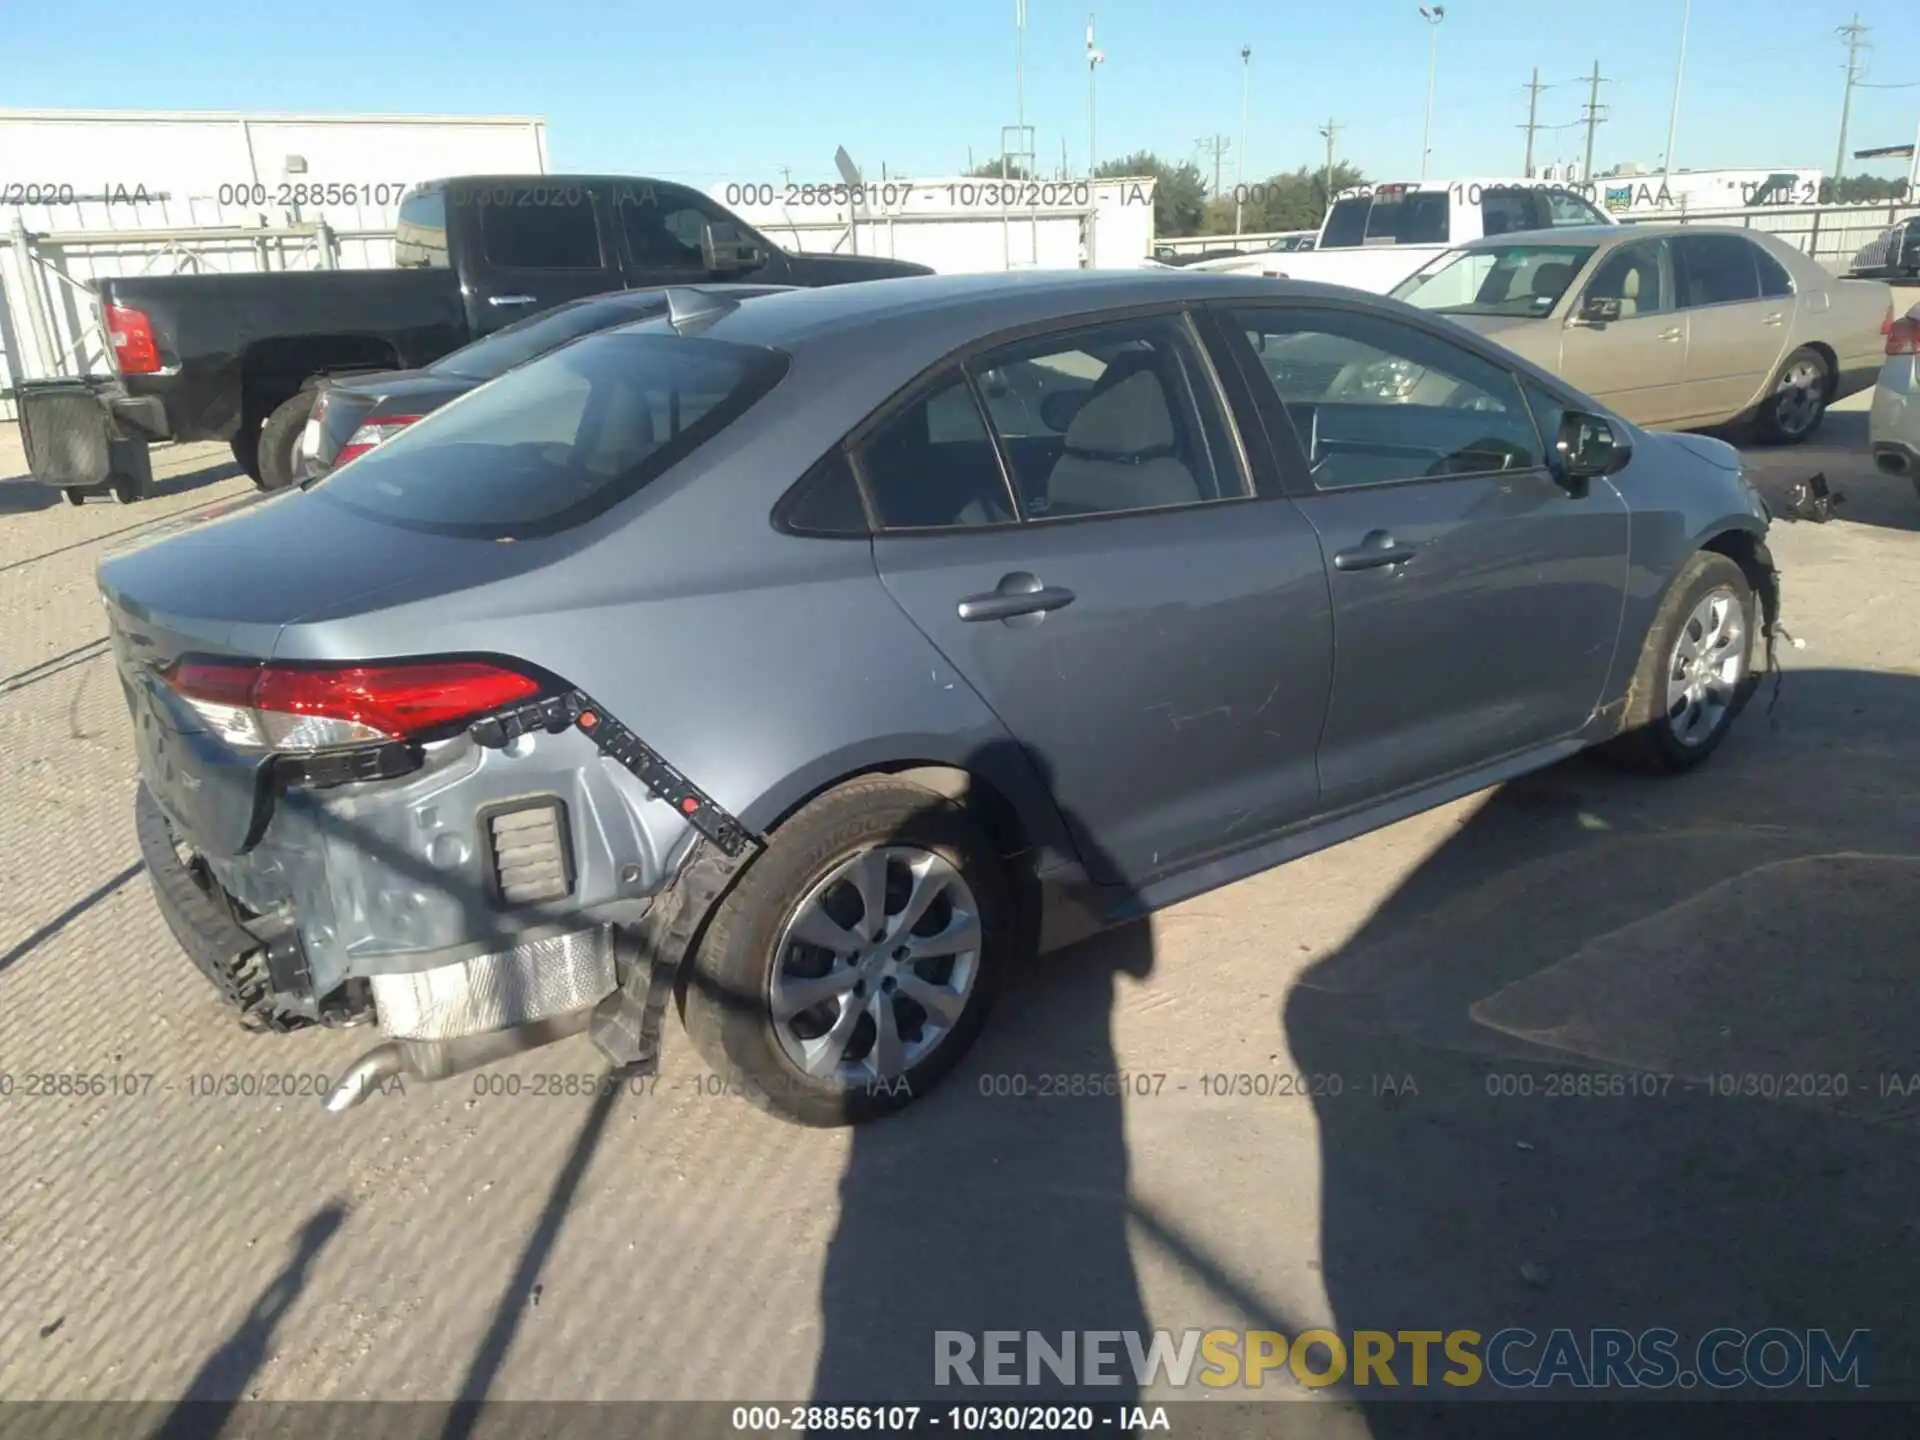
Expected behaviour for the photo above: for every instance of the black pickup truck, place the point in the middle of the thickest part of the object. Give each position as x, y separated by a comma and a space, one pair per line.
236, 356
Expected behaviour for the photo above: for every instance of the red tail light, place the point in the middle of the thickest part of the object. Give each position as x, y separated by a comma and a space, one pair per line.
135, 351
299, 708
374, 432
1903, 336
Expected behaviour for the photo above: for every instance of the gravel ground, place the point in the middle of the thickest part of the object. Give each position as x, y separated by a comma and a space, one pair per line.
1757, 919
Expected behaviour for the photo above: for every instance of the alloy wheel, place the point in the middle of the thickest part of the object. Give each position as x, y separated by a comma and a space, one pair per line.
875, 966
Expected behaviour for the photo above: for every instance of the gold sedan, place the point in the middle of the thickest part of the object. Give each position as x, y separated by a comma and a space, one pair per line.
1675, 326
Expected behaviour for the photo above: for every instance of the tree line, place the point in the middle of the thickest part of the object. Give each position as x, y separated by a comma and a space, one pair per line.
1297, 199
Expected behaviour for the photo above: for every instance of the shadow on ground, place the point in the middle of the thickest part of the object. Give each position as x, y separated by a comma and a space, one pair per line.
1662, 1033
23, 495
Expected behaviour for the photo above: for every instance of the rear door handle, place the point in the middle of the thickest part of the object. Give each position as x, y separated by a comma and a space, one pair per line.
1377, 549
510, 300
1675, 333
1017, 594
1775, 319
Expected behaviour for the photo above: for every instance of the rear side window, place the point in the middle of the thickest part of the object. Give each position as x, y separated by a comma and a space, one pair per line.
933, 465
420, 235
1715, 269
539, 237
1775, 282
1346, 224
1502, 212
560, 440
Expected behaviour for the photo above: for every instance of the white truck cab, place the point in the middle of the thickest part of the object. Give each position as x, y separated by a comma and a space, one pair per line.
1375, 236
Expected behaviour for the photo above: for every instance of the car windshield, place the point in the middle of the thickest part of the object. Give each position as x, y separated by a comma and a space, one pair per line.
537, 334
558, 440
1520, 280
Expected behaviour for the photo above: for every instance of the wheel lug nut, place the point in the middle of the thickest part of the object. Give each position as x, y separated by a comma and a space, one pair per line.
901, 953
888, 984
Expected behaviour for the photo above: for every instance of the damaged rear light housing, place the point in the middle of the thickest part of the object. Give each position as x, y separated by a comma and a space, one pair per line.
372, 434
297, 709
1903, 335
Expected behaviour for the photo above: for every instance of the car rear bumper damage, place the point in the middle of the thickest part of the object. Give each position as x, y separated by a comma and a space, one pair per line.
540, 876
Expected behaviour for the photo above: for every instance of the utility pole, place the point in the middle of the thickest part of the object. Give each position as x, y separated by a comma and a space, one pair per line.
1854, 36
1240, 160
1217, 146
1095, 58
1679, 69
1327, 133
1593, 116
1533, 105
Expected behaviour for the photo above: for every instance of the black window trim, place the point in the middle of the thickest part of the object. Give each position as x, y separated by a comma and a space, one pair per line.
962, 357
1292, 459
1757, 298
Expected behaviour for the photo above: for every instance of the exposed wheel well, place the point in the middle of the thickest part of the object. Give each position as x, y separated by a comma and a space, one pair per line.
1750, 553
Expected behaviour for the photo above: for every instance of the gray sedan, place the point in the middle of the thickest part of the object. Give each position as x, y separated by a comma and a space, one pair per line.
809, 661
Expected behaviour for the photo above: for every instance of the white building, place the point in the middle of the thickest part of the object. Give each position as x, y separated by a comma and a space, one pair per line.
959, 225
93, 193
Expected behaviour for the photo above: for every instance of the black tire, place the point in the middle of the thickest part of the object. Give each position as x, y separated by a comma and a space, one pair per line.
124, 489
1647, 741
726, 1001
1783, 421
73, 494
246, 447
280, 439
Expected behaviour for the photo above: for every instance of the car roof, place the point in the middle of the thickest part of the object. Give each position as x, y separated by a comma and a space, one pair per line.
950, 310
1604, 234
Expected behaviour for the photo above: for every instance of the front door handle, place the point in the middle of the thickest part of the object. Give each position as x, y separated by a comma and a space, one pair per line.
1675, 333
1017, 594
510, 300
1377, 549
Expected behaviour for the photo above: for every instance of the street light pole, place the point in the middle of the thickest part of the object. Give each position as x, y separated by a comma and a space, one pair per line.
1094, 59
1019, 77
1433, 15
1679, 68
1240, 165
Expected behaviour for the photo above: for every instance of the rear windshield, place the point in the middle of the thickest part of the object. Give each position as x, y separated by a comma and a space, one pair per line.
560, 440
537, 334
1395, 217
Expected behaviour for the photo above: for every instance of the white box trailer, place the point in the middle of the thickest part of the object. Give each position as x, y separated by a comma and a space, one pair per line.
956, 224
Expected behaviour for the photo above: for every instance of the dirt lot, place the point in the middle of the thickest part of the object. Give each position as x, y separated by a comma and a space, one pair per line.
1757, 919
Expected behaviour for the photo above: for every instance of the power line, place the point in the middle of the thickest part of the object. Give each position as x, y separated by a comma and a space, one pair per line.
1217, 146
1854, 36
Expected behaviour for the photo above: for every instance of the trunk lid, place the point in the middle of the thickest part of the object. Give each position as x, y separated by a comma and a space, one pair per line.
227, 588
350, 404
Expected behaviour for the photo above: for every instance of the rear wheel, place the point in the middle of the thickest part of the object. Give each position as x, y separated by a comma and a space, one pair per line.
124, 488
857, 958
1797, 403
1693, 678
280, 441
73, 494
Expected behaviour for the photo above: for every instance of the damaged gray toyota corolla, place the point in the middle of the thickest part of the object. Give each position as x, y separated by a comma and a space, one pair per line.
806, 660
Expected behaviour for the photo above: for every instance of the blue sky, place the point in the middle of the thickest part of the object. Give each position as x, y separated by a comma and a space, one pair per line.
737, 90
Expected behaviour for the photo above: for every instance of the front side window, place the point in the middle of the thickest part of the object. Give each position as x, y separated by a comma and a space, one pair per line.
1507, 211
1633, 275
558, 440
1107, 420
538, 237
1521, 280
663, 229
1715, 269
1372, 401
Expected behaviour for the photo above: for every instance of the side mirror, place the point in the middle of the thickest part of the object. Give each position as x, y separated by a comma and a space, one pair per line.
726, 250
1587, 447
1599, 309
